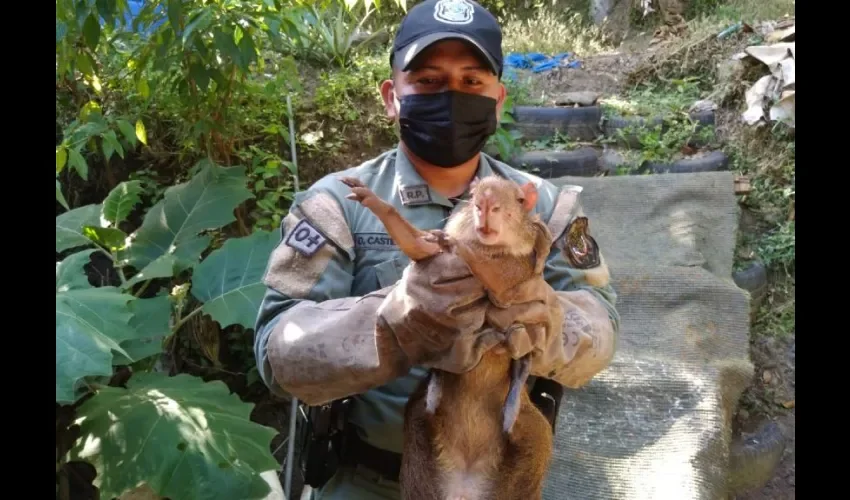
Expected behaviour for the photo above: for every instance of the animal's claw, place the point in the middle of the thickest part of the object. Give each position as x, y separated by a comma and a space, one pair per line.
352, 182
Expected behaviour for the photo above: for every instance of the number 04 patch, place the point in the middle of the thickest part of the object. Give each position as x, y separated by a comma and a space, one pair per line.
305, 238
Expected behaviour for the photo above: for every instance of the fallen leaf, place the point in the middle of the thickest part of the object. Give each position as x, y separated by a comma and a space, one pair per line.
788, 404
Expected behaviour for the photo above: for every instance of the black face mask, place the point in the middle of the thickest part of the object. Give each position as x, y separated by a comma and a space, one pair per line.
448, 128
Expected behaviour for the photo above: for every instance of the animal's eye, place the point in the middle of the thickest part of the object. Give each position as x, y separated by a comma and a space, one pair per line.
495, 209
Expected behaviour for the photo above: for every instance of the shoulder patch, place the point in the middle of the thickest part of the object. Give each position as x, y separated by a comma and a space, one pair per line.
567, 206
415, 195
580, 248
305, 238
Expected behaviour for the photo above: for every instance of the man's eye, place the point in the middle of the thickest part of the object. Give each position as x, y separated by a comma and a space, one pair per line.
428, 81
473, 81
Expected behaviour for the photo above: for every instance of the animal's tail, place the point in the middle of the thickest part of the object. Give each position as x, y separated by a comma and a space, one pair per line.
520, 369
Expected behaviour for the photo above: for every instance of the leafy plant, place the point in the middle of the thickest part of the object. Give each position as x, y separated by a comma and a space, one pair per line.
326, 36
184, 437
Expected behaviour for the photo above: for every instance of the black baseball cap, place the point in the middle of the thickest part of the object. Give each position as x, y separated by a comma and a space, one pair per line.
434, 20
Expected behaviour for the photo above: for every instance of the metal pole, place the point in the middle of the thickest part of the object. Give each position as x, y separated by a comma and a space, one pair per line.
293, 411
292, 138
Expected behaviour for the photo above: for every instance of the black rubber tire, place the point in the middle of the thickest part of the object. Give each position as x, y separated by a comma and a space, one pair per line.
715, 161
535, 122
753, 459
611, 126
583, 162
753, 279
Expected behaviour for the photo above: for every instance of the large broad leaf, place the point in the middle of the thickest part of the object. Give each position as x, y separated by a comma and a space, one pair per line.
69, 226
172, 226
70, 274
163, 266
230, 280
150, 321
121, 200
185, 438
90, 324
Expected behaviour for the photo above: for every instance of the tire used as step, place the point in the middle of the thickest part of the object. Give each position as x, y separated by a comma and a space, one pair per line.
753, 279
714, 161
754, 458
583, 162
536, 122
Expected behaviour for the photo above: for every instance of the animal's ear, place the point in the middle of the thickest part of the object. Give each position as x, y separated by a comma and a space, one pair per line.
473, 184
529, 196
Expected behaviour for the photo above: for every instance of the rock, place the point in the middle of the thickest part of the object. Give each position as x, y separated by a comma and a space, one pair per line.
702, 106
610, 160
582, 98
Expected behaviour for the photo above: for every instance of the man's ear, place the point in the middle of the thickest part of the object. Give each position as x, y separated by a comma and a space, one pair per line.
389, 97
529, 196
500, 100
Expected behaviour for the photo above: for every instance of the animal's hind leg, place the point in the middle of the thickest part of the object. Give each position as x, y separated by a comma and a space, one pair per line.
418, 477
527, 455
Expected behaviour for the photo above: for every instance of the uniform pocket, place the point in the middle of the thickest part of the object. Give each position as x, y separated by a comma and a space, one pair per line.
389, 271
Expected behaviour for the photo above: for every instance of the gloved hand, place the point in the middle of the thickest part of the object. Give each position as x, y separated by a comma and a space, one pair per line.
436, 313
531, 320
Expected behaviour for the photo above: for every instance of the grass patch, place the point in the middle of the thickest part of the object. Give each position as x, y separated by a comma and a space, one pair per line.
552, 31
650, 99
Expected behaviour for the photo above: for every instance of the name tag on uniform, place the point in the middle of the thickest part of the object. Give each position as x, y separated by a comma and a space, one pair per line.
374, 241
305, 238
415, 195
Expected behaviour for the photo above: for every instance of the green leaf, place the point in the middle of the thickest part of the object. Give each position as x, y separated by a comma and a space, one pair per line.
110, 238
230, 280
69, 226
60, 197
91, 31
121, 201
90, 323
186, 438
163, 267
200, 22
85, 63
110, 140
70, 274
144, 90
172, 226
141, 132
61, 158
77, 161
150, 320
127, 131
106, 8
175, 10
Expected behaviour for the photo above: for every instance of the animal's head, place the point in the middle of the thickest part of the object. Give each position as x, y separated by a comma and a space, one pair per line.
499, 208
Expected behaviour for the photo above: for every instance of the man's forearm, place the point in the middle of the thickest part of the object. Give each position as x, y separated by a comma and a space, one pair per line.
323, 351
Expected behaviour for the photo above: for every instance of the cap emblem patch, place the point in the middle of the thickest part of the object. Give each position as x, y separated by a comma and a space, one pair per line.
454, 11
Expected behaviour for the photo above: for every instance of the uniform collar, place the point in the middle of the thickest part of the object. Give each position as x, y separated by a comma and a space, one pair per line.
413, 189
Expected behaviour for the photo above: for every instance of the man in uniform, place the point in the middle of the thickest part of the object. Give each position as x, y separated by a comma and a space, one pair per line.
342, 316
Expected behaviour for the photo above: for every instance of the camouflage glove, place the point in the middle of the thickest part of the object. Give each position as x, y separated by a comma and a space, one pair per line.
436, 313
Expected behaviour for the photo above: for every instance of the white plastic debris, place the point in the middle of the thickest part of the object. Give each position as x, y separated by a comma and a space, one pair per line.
771, 98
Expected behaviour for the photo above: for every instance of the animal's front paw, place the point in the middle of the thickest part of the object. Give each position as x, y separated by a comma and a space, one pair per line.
359, 192
445, 242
